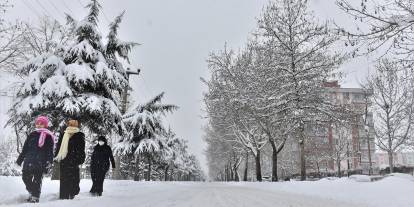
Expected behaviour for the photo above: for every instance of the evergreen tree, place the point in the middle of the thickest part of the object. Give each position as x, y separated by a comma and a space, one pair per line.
82, 79
145, 130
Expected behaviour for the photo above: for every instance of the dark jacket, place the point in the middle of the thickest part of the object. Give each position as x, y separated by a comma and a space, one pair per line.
35, 157
76, 150
100, 158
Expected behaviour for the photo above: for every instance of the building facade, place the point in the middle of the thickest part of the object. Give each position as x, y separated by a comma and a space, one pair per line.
353, 143
400, 159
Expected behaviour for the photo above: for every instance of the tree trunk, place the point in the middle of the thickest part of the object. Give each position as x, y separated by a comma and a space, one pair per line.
166, 173
391, 161
236, 171
18, 142
258, 167
236, 176
302, 160
318, 169
137, 171
149, 167
172, 174
302, 153
246, 167
338, 163
274, 164
231, 172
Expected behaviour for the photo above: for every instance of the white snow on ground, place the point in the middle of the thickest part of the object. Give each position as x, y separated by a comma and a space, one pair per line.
395, 191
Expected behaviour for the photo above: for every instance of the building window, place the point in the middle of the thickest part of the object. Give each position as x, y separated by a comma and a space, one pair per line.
346, 95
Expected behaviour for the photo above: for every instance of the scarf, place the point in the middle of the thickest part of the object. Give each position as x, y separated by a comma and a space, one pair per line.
43, 134
63, 150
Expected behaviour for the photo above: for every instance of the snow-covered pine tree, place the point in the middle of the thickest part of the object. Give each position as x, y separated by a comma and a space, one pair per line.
145, 130
82, 79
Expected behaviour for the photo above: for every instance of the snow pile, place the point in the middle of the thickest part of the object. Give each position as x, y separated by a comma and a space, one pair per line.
402, 176
360, 178
395, 190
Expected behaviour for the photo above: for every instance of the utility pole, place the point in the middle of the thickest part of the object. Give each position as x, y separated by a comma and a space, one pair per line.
124, 106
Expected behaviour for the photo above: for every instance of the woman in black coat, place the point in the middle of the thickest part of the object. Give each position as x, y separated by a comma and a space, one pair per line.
70, 154
37, 156
102, 154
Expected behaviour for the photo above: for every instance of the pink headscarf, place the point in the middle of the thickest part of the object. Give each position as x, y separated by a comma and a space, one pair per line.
43, 120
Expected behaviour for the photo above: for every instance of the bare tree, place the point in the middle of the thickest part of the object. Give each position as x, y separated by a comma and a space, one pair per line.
307, 60
226, 104
11, 45
45, 36
385, 25
393, 98
340, 146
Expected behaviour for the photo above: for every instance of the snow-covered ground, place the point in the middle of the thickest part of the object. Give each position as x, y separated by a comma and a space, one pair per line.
393, 191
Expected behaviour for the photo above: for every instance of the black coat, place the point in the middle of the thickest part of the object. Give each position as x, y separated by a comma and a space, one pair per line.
76, 150
69, 166
34, 157
100, 158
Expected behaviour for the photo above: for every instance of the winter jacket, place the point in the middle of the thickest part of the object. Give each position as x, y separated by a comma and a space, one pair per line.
100, 158
76, 150
36, 158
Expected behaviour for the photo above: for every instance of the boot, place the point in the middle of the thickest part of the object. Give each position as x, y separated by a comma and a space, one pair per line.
34, 200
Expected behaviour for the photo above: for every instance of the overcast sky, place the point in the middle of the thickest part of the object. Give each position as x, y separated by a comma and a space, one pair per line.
177, 37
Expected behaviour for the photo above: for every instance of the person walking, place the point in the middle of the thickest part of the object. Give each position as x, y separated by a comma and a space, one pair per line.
37, 158
101, 156
70, 154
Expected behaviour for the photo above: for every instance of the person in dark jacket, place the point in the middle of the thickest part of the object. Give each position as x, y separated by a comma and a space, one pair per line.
37, 157
102, 154
70, 154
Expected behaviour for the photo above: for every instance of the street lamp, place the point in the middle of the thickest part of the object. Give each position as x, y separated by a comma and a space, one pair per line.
124, 103
366, 127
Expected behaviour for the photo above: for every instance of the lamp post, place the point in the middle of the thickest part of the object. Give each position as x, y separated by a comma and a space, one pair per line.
124, 104
369, 149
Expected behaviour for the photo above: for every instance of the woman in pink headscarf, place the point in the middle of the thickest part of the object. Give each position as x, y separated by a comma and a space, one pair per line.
37, 157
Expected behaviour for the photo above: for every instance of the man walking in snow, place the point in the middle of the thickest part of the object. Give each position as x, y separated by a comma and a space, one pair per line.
102, 154
37, 156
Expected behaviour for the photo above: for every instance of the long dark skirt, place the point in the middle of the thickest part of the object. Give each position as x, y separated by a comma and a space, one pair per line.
69, 181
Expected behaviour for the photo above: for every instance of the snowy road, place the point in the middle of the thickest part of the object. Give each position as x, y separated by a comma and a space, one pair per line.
155, 194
